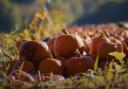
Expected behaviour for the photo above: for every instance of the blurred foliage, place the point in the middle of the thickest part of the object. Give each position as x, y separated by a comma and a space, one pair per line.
61, 13
22, 1
7, 19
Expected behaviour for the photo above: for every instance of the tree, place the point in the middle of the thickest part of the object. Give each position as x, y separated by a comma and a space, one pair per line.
22, 1
7, 18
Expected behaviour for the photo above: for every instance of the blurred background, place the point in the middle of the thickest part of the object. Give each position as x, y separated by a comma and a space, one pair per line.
15, 15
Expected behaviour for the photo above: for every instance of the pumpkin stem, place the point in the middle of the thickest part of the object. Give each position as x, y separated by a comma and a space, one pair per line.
106, 34
65, 32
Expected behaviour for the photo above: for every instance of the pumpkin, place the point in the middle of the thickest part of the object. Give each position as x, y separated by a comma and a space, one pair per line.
34, 51
66, 45
75, 65
62, 59
97, 41
104, 50
25, 66
50, 45
51, 65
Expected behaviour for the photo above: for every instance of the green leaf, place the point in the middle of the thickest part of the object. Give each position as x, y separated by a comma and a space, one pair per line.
118, 55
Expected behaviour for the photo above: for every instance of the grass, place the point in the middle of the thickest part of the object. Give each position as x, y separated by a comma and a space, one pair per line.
114, 76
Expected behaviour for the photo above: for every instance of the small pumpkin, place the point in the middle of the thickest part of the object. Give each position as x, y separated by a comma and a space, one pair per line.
34, 51
51, 65
104, 50
97, 41
25, 66
75, 65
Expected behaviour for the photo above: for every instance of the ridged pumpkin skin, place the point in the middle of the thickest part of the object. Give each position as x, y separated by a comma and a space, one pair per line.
27, 66
104, 50
66, 45
34, 51
51, 66
96, 42
62, 59
75, 65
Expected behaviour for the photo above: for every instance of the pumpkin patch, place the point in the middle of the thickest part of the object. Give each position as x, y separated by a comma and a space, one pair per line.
69, 56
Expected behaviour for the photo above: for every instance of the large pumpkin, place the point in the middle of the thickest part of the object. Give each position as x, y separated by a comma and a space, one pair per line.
66, 45
34, 51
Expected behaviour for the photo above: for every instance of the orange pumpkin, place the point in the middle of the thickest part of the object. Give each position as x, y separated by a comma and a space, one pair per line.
62, 59
96, 42
25, 66
76, 65
50, 45
66, 45
104, 50
34, 51
51, 65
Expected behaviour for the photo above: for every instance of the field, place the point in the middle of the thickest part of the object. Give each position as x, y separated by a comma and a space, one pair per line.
101, 72
49, 53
